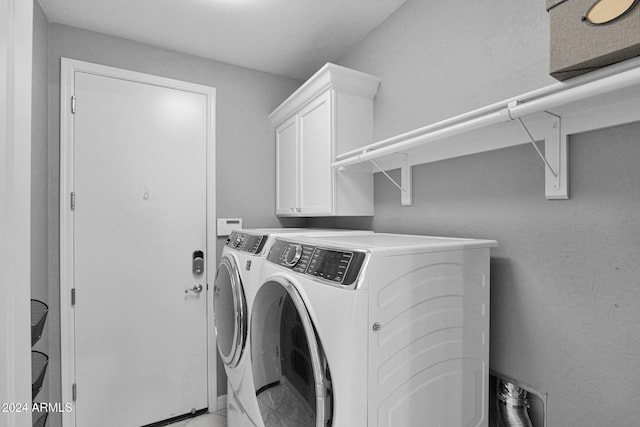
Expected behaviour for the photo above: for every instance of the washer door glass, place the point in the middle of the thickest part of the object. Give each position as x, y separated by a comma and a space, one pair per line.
229, 309
290, 371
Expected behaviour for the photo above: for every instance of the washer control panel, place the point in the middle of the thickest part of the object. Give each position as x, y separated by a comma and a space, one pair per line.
333, 265
329, 265
246, 242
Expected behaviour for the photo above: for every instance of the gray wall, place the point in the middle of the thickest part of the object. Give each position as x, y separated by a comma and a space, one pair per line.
566, 274
245, 164
39, 172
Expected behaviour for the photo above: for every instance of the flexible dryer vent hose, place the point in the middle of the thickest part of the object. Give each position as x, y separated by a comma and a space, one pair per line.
512, 405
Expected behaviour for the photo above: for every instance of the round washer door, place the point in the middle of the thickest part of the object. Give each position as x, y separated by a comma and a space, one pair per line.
230, 311
290, 371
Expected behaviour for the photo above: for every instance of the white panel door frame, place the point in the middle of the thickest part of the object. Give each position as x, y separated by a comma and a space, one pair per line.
68, 69
16, 26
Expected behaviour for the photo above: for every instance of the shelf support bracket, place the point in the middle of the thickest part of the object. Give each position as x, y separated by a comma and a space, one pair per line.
555, 157
405, 186
406, 197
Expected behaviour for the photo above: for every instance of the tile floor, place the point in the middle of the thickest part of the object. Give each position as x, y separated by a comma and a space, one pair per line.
206, 420
282, 406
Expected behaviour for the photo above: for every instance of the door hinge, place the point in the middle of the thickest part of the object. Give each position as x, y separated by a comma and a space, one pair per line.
74, 392
73, 104
73, 296
73, 200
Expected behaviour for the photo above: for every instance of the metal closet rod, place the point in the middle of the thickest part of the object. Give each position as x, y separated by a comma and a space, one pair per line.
614, 77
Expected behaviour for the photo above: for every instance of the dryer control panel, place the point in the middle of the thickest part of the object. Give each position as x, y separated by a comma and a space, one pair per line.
246, 242
333, 265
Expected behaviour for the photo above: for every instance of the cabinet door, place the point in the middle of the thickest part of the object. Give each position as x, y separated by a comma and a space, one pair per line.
286, 167
316, 148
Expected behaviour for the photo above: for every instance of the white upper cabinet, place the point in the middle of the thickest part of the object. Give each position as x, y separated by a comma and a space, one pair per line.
330, 114
287, 177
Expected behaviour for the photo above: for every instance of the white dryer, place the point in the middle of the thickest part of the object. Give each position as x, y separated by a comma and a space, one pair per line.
237, 279
376, 330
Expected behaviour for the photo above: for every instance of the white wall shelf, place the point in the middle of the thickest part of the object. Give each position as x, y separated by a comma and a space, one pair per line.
604, 98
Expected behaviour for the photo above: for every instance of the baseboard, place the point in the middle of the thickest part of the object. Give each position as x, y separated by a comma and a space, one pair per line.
222, 403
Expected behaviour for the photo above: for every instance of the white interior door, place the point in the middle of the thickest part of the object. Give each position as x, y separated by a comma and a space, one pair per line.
139, 180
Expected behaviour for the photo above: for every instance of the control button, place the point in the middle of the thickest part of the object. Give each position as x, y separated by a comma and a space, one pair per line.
293, 255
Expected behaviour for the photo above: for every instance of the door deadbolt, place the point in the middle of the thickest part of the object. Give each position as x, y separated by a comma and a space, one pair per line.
198, 263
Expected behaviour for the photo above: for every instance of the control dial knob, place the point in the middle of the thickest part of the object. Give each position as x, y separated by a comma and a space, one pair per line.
293, 255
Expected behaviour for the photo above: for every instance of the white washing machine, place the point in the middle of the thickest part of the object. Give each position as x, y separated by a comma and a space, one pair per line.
237, 279
376, 330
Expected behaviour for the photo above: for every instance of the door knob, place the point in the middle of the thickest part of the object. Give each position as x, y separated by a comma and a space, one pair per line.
196, 289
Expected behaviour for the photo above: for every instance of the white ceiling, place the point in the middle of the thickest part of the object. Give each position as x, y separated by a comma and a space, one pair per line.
287, 37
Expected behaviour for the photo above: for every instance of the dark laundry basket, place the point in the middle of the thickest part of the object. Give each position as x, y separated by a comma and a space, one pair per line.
39, 311
39, 362
40, 419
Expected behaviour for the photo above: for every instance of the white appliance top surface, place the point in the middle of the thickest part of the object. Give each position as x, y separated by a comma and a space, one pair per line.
278, 231
270, 230
383, 241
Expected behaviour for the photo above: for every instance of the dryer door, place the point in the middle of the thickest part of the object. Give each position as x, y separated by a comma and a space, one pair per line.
290, 372
230, 311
